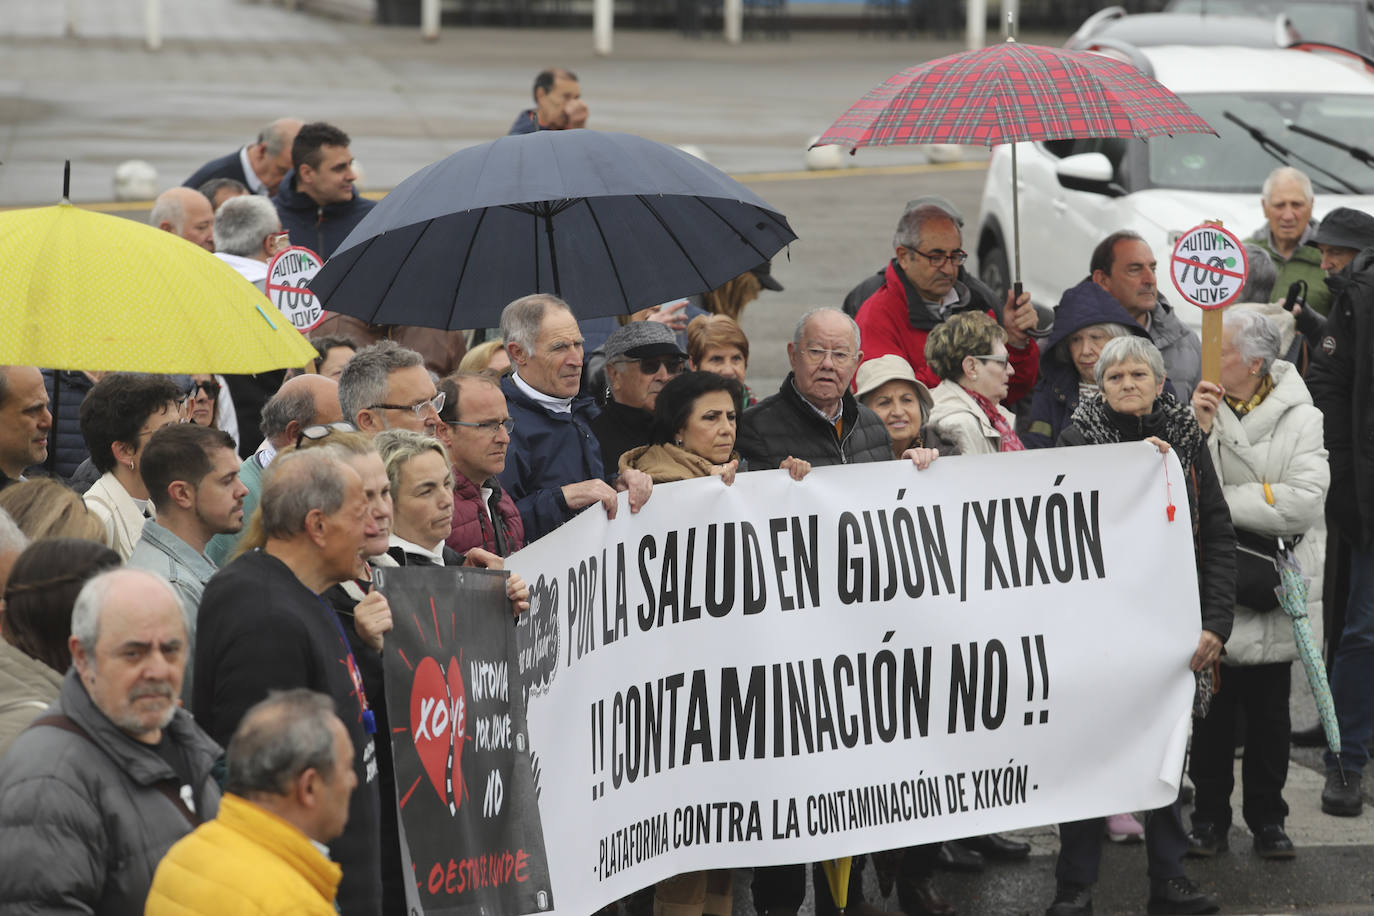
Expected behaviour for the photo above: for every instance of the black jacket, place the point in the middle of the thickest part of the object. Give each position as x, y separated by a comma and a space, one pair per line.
66, 440
260, 629
618, 429
321, 229
1341, 379
230, 166
1214, 540
784, 425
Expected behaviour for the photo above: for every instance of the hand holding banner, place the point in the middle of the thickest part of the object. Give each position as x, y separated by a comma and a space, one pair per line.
782, 671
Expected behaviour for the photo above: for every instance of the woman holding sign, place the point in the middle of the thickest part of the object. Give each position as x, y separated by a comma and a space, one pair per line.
1133, 406
1265, 438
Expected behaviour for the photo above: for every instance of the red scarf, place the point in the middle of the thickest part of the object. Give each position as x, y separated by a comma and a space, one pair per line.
1010, 441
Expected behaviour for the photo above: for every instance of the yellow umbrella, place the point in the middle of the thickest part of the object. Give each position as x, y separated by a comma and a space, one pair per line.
837, 876
83, 290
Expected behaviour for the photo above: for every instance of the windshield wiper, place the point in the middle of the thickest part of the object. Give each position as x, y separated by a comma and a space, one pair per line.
1358, 153
1285, 155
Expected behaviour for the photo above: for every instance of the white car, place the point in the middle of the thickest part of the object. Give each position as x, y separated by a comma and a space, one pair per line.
1073, 193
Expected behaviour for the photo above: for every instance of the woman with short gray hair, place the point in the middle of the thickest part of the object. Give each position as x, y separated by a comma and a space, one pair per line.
1132, 405
1265, 439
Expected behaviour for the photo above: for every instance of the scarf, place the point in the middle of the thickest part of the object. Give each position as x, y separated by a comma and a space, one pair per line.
667, 462
1010, 441
1169, 419
1241, 408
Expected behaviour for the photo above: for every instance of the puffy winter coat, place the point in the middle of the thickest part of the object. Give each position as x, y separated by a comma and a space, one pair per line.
27, 687
66, 435
473, 528
1278, 443
84, 819
246, 862
785, 425
895, 320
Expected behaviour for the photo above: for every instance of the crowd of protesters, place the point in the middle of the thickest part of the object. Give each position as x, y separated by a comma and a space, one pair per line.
192, 711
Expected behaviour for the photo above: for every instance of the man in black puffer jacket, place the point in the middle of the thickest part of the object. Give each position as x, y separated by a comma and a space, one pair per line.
814, 416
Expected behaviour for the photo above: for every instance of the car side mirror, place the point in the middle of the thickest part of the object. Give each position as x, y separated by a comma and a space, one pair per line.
1091, 172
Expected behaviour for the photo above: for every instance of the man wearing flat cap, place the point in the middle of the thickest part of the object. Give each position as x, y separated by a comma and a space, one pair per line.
640, 359
1341, 379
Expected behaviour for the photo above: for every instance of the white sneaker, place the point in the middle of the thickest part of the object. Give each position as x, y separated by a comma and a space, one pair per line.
1124, 828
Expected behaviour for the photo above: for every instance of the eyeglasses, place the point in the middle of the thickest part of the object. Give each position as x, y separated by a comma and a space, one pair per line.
211, 389
488, 426
1000, 360
817, 355
938, 258
437, 402
315, 433
649, 365
276, 241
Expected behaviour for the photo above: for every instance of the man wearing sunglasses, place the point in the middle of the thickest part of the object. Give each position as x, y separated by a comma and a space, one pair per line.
921, 290
640, 359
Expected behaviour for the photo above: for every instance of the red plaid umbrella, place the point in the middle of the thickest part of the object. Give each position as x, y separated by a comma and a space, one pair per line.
1009, 93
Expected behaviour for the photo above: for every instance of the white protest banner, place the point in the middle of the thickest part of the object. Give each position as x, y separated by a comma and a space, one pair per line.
870, 658
287, 275
1209, 265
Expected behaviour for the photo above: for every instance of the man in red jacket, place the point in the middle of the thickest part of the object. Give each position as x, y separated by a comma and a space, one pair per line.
920, 290
476, 431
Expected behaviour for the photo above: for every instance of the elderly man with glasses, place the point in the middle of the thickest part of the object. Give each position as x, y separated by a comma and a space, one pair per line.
920, 290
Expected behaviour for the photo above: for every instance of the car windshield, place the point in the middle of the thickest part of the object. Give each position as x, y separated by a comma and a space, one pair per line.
1332, 23
1235, 162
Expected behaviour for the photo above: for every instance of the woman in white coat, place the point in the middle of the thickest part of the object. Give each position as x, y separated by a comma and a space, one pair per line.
1265, 437
969, 353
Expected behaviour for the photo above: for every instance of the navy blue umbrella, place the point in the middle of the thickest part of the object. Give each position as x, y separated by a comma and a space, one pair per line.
612, 223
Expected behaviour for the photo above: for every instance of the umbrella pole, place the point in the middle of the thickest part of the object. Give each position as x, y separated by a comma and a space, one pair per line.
553, 255
1015, 227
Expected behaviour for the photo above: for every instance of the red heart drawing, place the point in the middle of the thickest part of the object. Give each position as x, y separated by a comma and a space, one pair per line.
438, 726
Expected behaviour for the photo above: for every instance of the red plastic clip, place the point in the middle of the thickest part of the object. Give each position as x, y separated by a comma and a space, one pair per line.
1169, 507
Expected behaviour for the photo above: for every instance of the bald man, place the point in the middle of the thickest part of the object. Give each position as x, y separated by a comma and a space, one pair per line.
261, 165
185, 212
303, 402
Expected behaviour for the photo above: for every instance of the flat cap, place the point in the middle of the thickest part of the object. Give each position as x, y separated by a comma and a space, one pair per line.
642, 338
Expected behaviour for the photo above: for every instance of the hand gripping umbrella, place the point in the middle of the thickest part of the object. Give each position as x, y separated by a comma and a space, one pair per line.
610, 222
1010, 93
1292, 595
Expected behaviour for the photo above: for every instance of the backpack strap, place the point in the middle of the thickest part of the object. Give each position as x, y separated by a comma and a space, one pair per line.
57, 720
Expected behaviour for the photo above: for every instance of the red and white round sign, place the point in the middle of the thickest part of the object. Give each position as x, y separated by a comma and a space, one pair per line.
1209, 266
287, 274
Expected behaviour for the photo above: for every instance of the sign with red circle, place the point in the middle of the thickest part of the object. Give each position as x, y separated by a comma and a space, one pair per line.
1209, 266
287, 275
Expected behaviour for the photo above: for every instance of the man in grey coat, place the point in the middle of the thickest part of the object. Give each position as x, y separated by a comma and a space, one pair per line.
94, 793
1124, 266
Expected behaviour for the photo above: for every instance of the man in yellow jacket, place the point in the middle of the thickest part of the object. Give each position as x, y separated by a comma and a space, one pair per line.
290, 777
